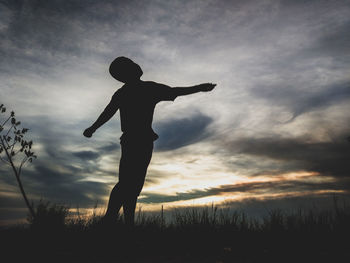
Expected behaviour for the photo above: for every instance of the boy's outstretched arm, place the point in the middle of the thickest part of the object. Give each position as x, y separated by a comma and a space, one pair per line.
181, 91
105, 116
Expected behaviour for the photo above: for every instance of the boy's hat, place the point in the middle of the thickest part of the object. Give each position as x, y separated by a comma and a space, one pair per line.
125, 70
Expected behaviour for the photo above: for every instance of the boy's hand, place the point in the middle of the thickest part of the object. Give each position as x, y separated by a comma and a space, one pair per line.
88, 132
206, 87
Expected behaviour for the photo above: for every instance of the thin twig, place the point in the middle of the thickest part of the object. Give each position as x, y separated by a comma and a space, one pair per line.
9, 130
5, 161
6, 120
5, 140
22, 163
13, 145
30, 207
18, 151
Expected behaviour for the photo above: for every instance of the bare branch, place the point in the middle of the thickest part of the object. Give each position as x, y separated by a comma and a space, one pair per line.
5, 161
6, 121
9, 130
17, 151
14, 142
3, 141
13, 145
11, 150
20, 166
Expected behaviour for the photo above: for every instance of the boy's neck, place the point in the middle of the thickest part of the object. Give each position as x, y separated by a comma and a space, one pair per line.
132, 82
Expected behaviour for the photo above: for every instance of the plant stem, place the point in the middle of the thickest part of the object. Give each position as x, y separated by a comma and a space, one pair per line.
31, 210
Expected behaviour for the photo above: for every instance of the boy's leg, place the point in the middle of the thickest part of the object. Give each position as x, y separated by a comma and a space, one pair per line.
116, 197
114, 203
132, 171
129, 206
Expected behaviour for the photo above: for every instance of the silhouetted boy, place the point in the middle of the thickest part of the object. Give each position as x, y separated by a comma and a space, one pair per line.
136, 101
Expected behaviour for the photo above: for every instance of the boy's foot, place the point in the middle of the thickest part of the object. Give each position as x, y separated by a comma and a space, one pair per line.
108, 220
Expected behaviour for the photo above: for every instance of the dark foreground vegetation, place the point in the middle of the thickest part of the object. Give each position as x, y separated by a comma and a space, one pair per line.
193, 235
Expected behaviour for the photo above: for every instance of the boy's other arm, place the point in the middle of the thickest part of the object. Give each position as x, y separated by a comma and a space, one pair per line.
181, 91
105, 116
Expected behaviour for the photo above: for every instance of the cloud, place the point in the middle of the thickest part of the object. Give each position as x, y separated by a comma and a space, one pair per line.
303, 99
327, 158
63, 186
253, 188
335, 42
174, 134
111, 147
273, 187
87, 155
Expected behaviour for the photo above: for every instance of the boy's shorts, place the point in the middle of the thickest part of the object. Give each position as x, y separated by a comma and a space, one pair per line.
136, 156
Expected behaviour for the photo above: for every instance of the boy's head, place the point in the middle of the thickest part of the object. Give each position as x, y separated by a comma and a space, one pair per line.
125, 70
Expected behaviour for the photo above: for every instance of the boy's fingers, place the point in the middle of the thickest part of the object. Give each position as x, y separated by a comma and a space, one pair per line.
87, 133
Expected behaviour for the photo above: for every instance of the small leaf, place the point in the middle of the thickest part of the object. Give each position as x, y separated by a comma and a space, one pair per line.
18, 123
3, 109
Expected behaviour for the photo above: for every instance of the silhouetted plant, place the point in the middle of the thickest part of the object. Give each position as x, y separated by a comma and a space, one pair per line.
195, 235
15, 150
49, 216
275, 221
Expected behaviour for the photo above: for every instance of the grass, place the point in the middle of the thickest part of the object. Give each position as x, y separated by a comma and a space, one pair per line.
210, 234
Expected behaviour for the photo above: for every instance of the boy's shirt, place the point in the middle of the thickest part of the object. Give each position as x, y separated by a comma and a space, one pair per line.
136, 104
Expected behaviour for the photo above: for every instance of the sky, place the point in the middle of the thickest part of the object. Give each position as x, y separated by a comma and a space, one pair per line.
274, 132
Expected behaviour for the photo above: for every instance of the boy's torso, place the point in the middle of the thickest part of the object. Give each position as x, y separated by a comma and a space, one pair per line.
136, 105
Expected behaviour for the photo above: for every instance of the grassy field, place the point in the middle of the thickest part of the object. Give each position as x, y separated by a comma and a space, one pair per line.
192, 235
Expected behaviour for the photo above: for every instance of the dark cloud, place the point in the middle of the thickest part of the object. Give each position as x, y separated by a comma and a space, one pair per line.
282, 186
150, 198
300, 100
254, 188
327, 158
64, 187
58, 21
55, 183
87, 155
178, 133
335, 42
259, 208
111, 147
46, 36
46, 176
